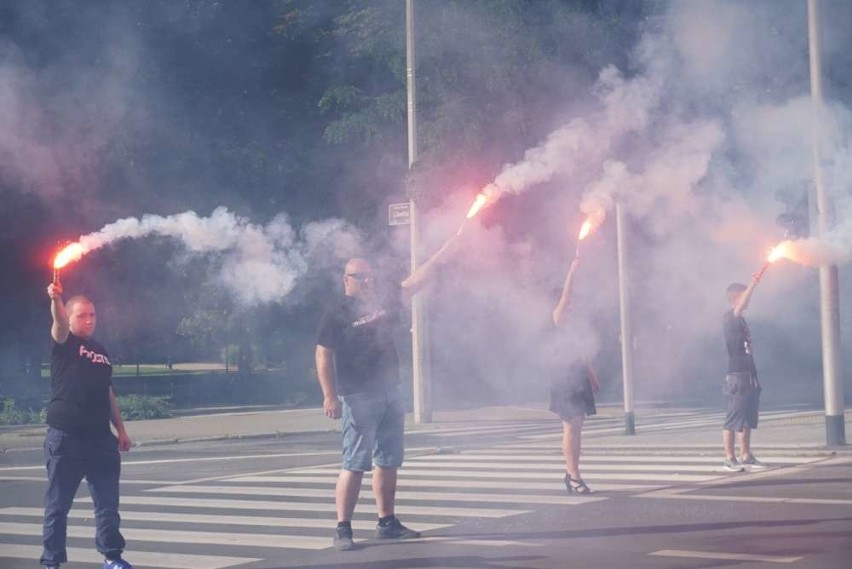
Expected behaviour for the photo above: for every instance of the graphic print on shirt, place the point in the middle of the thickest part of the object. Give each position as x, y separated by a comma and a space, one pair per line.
93, 356
369, 318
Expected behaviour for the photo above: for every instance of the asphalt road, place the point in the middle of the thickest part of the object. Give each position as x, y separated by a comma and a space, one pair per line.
484, 499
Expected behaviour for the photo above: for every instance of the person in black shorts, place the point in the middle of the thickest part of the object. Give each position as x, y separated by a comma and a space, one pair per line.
741, 386
572, 391
358, 371
79, 442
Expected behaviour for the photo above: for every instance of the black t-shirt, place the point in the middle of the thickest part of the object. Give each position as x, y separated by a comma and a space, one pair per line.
362, 339
738, 342
80, 378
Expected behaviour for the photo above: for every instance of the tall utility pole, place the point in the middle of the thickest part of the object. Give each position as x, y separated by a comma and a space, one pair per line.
626, 320
419, 321
835, 429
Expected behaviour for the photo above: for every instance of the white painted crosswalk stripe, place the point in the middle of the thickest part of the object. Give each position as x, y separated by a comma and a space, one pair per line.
140, 558
211, 519
538, 475
328, 506
557, 486
401, 495
135, 534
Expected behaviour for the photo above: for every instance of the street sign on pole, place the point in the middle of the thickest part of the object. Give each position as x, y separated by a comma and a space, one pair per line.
399, 213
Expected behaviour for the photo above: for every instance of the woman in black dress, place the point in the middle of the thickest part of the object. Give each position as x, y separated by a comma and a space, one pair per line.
572, 394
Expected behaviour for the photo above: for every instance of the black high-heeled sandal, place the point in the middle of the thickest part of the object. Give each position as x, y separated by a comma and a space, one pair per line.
576, 486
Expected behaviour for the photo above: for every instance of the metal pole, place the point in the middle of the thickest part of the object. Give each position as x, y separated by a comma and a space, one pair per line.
835, 430
626, 324
419, 322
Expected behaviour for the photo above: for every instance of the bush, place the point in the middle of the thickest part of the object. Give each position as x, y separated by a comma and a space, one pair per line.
135, 407
11, 414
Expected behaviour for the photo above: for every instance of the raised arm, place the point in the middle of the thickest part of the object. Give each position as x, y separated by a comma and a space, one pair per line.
560, 313
745, 297
325, 374
60, 328
422, 274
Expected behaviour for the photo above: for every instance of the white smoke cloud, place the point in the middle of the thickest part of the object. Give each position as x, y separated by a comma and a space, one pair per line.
260, 263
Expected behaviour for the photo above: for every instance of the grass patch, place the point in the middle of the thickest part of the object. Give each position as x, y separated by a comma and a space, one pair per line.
136, 407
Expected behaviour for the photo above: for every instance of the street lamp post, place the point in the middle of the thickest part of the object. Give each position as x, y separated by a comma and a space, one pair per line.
419, 321
835, 430
626, 320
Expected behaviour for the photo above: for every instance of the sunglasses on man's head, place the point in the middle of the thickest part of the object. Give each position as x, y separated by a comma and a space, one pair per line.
360, 277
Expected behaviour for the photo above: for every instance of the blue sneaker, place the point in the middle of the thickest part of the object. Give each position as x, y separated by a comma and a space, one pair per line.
117, 564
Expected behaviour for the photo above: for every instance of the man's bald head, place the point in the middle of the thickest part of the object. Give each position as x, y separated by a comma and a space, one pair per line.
358, 278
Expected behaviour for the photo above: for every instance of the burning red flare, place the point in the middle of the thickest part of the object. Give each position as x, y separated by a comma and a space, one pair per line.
478, 202
70, 253
585, 229
777, 252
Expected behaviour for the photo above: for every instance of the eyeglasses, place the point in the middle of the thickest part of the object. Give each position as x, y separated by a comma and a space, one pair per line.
360, 277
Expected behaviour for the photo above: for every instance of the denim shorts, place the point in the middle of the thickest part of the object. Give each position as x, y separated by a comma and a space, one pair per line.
742, 395
373, 427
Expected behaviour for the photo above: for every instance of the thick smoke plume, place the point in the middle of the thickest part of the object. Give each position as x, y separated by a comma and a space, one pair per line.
260, 263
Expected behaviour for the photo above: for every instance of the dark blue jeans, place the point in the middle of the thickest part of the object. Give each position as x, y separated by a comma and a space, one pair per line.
69, 458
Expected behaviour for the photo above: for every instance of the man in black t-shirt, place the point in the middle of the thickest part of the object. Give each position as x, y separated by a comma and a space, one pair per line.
79, 442
358, 372
741, 386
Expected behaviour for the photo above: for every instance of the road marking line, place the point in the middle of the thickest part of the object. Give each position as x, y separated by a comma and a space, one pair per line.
132, 534
267, 521
556, 457
725, 556
140, 558
588, 466
126, 463
401, 494
325, 507
330, 480
467, 473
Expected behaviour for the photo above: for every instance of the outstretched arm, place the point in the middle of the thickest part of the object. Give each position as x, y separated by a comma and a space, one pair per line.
562, 307
422, 274
746, 295
60, 328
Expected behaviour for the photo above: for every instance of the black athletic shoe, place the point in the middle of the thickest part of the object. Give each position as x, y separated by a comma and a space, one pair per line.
343, 539
395, 530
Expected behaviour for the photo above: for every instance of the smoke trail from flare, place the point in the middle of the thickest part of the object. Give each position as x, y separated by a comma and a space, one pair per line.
261, 263
585, 142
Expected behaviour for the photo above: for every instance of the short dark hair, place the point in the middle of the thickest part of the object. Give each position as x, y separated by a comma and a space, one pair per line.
736, 288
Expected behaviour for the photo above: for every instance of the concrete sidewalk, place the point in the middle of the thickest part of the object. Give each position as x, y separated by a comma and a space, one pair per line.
800, 432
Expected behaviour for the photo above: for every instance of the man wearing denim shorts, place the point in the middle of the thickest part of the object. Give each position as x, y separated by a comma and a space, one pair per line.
358, 371
741, 387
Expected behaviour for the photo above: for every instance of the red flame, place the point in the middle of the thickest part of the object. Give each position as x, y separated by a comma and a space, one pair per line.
477, 205
70, 253
779, 251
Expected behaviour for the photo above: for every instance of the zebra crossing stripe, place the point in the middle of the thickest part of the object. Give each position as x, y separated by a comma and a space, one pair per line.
402, 494
557, 466
140, 558
556, 487
590, 460
171, 517
467, 473
324, 507
133, 534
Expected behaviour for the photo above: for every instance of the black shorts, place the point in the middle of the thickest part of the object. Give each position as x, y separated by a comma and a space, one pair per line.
742, 395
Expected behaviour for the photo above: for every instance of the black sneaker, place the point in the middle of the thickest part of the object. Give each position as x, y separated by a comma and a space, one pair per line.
395, 530
343, 539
